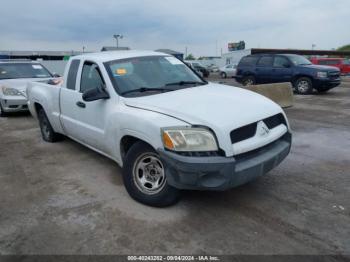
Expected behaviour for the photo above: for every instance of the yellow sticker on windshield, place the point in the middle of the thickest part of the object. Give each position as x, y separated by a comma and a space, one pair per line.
120, 71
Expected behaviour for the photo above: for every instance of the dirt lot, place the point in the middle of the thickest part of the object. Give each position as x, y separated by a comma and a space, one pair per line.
65, 199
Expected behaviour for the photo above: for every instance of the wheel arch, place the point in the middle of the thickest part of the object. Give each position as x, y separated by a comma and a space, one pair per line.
296, 77
127, 141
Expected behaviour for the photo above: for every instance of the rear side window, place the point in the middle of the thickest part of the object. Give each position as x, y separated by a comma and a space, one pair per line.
72, 74
248, 61
265, 61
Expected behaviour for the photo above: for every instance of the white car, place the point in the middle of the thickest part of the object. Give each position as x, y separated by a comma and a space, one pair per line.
14, 76
228, 71
168, 129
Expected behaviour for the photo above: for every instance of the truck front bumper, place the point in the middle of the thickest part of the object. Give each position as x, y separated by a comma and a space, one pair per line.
324, 84
11, 104
222, 173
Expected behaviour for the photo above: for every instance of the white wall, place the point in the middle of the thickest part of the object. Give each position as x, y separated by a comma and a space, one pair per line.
235, 56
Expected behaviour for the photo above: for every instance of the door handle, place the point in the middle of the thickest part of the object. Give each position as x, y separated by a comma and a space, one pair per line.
81, 104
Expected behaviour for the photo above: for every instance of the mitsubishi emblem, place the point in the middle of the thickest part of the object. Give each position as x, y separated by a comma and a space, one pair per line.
263, 130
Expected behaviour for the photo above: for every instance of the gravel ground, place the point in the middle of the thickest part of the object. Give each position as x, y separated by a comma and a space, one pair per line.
66, 199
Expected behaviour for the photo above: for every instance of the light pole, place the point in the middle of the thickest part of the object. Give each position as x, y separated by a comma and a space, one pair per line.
117, 37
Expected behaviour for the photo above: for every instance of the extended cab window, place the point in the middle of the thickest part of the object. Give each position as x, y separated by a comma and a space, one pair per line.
265, 61
90, 77
280, 61
72, 74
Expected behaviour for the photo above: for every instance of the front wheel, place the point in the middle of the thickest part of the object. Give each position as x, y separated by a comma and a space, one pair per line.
145, 179
303, 86
223, 75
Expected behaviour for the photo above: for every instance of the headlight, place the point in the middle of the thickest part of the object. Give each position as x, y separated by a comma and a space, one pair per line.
322, 74
9, 91
185, 139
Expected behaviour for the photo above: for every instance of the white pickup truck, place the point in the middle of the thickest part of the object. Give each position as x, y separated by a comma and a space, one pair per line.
162, 123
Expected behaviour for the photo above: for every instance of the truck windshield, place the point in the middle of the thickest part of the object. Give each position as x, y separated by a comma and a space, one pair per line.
299, 60
144, 75
23, 70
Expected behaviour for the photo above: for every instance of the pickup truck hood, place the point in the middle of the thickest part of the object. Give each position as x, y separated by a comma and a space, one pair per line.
217, 106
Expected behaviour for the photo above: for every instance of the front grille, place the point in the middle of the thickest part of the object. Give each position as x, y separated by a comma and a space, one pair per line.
334, 75
274, 121
243, 133
248, 131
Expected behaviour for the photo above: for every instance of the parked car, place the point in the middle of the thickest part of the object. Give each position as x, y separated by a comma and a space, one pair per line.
341, 63
198, 67
168, 128
228, 71
14, 75
213, 68
275, 68
196, 71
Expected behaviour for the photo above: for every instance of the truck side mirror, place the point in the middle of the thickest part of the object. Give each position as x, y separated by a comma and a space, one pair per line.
94, 94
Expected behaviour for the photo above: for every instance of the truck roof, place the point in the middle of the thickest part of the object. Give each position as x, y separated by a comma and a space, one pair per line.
116, 55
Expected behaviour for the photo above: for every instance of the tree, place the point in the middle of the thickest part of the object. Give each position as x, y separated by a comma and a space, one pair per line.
190, 57
344, 48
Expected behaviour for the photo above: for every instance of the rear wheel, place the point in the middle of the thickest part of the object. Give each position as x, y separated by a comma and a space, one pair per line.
223, 75
248, 81
47, 132
145, 179
303, 86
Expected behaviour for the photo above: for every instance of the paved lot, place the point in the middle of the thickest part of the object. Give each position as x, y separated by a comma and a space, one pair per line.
65, 199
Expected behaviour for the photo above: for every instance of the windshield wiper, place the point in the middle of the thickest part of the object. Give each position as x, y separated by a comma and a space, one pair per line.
182, 83
147, 89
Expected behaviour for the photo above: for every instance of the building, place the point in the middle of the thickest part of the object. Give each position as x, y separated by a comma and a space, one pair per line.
178, 55
114, 48
38, 55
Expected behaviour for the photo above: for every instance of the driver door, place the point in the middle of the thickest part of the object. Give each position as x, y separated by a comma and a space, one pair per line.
85, 121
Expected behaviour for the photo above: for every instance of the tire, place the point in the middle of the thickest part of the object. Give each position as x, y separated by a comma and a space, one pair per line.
223, 75
248, 81
141, 161
303, 86
47, 132
2, 113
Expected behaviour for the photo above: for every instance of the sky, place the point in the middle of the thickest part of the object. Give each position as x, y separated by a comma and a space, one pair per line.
203, 27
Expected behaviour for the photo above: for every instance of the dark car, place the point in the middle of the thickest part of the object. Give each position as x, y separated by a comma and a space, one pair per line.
276, 68
198, 67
